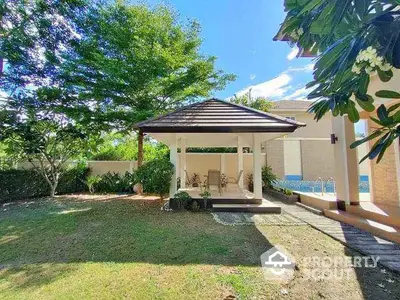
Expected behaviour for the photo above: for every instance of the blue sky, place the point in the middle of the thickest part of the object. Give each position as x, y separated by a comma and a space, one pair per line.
240, 34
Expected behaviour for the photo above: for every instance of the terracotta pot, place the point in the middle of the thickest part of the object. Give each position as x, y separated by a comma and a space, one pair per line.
138, 188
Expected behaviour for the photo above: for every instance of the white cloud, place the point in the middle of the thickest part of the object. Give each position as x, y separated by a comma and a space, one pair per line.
307, 68
280, 87
276, 87
293, 53
300, 94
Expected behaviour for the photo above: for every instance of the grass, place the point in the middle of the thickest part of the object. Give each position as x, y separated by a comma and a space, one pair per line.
72, 248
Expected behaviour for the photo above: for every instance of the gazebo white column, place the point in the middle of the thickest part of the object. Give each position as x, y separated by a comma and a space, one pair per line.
346, 164
182, 163
257, 182
173, 157
240, 159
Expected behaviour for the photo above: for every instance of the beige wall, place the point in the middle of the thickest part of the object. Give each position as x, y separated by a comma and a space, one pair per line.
317, 160
275, 157
202, 162
98, 167
103, 167
292, 157
384, 175
320, 129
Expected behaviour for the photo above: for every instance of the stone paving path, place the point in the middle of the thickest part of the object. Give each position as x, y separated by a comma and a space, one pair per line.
357, 239
293, 215
234, 218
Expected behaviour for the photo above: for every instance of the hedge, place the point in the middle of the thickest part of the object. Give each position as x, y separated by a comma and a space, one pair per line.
24, 184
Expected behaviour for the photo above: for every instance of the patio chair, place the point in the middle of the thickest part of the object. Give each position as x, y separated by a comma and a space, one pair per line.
235, 181
214, 178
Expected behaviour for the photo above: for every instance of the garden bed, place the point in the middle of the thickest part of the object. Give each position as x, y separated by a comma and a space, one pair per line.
282, 194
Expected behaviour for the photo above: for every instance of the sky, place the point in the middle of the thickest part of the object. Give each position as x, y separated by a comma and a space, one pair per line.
239, 33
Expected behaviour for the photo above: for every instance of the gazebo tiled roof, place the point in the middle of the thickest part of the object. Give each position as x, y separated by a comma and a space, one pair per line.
216, 116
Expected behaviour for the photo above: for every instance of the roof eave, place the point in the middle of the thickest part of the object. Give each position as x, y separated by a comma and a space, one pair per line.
219, 129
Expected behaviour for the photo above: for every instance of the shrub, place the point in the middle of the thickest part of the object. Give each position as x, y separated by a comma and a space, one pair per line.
23, 184
268, 177
287, 192
205, 195
183, 200
155, 176
194, 206
115, 183
91, 181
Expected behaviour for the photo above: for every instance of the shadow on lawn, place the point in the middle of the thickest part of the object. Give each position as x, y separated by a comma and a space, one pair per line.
385, 285
57, 234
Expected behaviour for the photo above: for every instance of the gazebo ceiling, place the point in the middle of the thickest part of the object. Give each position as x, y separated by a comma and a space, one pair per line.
217, 116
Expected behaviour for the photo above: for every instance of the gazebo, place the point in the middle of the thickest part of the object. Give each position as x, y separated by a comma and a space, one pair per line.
217, 123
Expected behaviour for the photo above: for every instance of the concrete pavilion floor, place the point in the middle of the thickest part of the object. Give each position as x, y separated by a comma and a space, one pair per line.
226, 193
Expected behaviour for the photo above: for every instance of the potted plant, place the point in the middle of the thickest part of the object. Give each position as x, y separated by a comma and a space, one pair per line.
224, 180
205, 195
195, 179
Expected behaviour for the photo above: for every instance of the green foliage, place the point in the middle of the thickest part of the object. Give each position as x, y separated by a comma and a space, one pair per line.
118, 146
287, 192
24, 184
115, 183
194, 206
268, 177
136, 62
155, 176
91, 181
183, 200
205, 195
46, 141
259, 103
355, 40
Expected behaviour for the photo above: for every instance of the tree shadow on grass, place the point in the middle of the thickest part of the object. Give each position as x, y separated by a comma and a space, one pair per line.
30, 275
376, 281
48, 238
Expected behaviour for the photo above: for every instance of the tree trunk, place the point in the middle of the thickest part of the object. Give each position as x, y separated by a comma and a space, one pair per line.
54, 184
140, 149
52, 191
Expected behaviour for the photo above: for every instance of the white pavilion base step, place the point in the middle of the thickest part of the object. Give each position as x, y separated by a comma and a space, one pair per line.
263, 208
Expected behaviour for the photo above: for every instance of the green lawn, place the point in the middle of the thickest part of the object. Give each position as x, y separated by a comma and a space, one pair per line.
75, 248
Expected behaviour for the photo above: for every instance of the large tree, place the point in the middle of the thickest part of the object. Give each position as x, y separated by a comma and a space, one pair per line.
133, 62
34, 39
259, 103
46, 140
352, 41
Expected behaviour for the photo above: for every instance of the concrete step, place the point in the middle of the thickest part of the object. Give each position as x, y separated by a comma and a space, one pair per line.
382, 214
252, 208
310, 209
321, 202
378, 229
235, 201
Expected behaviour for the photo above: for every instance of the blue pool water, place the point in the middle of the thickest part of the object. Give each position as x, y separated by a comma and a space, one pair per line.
307, 186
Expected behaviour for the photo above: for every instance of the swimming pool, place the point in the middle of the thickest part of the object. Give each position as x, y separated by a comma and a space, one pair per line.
307, 186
